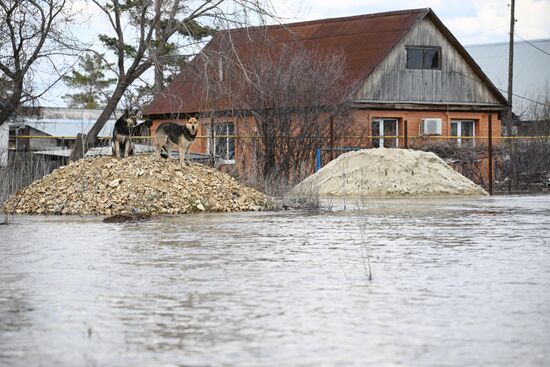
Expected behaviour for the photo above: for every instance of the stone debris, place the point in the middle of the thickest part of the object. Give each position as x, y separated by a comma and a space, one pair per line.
123, 218
144, 184
383, 173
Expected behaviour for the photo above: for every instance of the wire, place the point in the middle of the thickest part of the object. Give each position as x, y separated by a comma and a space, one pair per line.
502, 90
481, 32
540, 49
527, 99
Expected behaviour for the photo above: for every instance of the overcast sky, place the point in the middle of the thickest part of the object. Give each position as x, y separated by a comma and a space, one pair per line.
471, 21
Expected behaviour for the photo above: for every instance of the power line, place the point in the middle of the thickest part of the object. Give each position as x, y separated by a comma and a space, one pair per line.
538, 48
527, 99
500, 89
481, 32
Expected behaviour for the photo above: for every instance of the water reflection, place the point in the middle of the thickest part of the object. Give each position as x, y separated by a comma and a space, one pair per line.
455, 282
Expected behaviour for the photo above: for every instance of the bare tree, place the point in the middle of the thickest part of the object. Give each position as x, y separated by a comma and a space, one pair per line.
525, 161
290, 94
31, 32
465, 158
521, 162
147, 31
296, 92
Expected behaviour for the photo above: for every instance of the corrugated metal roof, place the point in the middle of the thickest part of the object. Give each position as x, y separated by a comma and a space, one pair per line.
63, 113
531, 68
63, 127
363, 41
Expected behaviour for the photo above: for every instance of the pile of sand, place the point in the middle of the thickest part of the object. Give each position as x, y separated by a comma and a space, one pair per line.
386, 173
144, 184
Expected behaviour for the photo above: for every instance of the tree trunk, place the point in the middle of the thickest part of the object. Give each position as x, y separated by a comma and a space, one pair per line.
5, 114
86, 141
13, 103
159, 77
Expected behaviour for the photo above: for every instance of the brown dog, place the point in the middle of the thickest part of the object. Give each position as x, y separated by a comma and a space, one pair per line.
184, 136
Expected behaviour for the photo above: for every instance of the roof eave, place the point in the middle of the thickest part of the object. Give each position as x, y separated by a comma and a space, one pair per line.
428, 106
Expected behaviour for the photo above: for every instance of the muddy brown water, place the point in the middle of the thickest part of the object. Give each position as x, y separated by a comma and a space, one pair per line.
455, 282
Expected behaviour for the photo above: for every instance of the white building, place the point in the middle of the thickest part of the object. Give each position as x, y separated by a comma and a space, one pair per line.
52, 130
531, 83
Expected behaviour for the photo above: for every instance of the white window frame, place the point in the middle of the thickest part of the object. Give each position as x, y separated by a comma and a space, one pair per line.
381, 130
459, 130
211, 145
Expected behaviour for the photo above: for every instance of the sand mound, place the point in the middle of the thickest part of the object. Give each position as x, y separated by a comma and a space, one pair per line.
139, 184
386, 173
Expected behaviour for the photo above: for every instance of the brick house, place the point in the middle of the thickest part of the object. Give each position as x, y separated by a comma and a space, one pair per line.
405, 71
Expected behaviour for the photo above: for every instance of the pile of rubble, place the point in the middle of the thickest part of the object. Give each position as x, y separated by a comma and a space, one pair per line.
144, 184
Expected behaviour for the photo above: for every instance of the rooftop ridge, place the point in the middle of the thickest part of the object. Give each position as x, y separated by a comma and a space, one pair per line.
331, 20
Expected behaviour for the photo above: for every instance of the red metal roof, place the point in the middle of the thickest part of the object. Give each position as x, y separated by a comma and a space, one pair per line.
363, 40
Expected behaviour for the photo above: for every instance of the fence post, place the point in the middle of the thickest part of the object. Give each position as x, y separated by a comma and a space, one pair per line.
406, 133
210, 143
490, 147
331, 137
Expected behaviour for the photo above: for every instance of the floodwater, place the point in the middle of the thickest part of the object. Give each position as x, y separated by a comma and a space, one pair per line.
455, 282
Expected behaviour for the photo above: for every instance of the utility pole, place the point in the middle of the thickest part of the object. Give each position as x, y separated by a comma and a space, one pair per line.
511, 61
490, 148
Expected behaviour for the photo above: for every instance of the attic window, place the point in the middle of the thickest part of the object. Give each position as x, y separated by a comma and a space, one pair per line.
423, 57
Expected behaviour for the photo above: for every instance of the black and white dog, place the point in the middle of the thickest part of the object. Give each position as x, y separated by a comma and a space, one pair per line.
184, 136
122, 137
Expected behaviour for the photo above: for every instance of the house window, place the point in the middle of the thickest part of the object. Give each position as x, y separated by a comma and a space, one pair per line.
464, 130
221, 141
423, 57
384, 132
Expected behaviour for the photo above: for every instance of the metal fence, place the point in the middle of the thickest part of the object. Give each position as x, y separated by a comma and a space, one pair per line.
503, 163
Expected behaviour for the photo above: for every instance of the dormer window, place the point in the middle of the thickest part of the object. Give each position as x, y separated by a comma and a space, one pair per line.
423, 57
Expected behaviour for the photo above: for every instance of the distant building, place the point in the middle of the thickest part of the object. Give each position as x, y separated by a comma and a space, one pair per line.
531, 69
4, 141
4, 137
52, 130
43, 128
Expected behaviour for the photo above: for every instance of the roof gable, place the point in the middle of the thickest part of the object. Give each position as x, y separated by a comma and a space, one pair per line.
462, 51
455, 81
